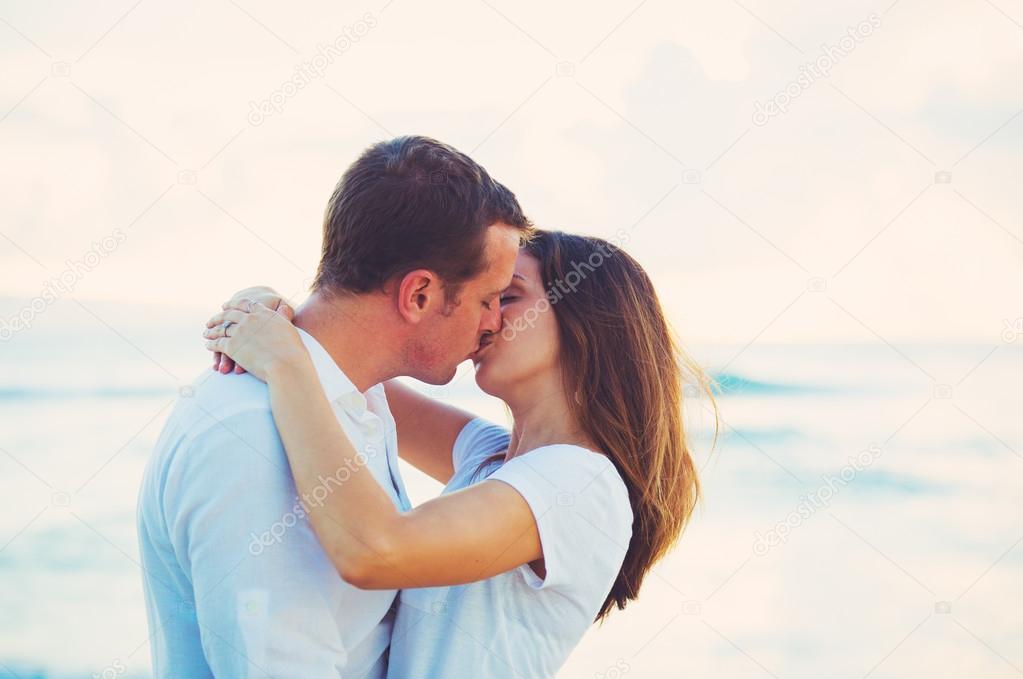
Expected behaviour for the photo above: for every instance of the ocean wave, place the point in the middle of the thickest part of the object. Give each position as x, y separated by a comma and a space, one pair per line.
64, 393
730, 384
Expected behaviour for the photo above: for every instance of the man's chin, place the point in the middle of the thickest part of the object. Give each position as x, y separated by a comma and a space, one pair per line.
440, 377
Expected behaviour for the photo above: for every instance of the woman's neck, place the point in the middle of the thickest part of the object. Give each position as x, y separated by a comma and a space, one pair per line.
543, 416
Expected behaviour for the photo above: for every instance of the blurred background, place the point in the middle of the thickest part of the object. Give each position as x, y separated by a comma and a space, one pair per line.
826, 194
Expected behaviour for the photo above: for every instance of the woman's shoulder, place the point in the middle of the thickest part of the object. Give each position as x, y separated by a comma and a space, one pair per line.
583, 515
581, 476
573, 458
478, 440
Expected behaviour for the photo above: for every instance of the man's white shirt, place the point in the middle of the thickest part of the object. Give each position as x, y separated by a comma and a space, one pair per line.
236, 583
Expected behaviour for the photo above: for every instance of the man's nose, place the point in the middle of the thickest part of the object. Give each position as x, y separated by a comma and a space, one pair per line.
491, 321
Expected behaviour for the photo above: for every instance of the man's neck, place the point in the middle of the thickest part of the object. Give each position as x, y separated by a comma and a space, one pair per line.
346, 328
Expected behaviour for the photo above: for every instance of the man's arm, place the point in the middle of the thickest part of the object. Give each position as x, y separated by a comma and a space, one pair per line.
427, 429
265, 593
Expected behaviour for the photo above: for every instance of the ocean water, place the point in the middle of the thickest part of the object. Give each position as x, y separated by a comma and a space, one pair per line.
862, 511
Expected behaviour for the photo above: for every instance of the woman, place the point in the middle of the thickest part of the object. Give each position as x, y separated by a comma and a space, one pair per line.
540, 531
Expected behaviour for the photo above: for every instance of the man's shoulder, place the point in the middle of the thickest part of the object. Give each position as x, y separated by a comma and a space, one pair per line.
213, 398
222, 427
215, 415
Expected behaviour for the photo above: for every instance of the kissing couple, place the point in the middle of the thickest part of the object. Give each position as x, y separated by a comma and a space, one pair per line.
276, 535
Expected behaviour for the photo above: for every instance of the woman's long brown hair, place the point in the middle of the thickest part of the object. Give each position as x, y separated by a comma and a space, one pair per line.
625, 375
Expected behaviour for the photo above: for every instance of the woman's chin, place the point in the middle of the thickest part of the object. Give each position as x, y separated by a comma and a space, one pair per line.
485, 379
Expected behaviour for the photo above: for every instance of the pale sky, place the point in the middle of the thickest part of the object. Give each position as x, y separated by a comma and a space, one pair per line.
133, 121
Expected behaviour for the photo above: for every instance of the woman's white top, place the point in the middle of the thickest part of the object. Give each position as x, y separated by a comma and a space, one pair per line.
517, 624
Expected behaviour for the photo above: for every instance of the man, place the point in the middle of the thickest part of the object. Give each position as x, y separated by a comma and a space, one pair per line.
418, 242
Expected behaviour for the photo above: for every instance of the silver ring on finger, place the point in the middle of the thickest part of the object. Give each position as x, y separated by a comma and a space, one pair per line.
225, 326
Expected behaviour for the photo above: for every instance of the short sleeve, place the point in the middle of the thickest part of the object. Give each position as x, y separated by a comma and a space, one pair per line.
582, 511
478, 440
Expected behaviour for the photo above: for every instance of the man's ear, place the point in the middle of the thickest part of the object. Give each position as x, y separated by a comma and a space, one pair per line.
419, 292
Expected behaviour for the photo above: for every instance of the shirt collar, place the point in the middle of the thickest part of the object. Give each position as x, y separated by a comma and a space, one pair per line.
339, 389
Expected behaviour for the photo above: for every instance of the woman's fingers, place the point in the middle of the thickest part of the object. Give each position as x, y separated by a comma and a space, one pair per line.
242, 304
217, 345
266, 296
284, 309
226, 364
218, 319
258, 340
215, 332
218, 325
236, 318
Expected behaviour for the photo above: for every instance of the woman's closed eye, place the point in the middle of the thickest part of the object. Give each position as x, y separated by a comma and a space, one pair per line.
508, 299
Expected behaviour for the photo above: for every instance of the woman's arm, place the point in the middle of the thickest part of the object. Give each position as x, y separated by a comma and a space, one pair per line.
427, 428
465, 536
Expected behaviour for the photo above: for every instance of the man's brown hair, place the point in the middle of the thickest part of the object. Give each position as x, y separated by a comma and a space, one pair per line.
411, 203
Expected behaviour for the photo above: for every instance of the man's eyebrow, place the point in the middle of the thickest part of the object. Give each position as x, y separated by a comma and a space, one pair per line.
519, 276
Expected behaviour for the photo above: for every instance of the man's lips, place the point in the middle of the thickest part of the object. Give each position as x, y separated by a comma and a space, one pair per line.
483, 345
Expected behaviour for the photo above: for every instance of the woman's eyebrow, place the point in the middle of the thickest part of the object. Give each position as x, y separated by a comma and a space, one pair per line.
518, 281
514, 276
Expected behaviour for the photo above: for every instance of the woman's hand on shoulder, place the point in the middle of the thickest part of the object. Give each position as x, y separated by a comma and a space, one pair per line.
257, 338
262, 294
